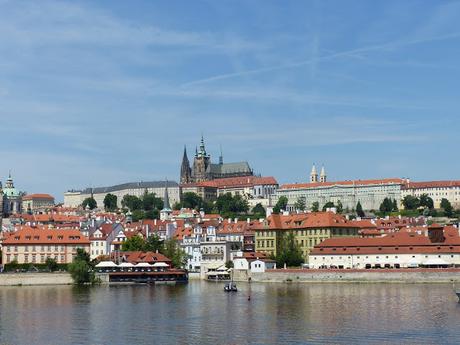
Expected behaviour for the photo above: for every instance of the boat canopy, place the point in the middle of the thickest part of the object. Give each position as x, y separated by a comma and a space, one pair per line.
106, 264
160, 264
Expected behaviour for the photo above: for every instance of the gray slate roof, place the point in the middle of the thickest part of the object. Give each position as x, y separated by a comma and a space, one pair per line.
229, 168
131, 185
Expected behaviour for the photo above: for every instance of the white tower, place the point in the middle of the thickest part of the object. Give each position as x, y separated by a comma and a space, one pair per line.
322, 175
313, 175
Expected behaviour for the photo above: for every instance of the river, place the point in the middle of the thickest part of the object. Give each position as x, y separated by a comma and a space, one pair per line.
202, 313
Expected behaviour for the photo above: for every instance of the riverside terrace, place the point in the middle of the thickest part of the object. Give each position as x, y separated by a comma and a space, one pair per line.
141, 272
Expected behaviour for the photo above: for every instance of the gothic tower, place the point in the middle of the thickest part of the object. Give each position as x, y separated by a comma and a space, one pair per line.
313, 175
185, 171
201, 164
322, 175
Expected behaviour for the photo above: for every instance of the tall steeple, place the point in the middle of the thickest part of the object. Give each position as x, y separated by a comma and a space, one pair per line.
166, 211
221, 157
313, 174
185, 171
322, 175
202, 151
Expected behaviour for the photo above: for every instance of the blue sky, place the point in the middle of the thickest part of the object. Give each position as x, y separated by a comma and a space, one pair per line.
96, 93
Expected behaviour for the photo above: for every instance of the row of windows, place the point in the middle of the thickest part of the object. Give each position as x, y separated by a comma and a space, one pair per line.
41, 248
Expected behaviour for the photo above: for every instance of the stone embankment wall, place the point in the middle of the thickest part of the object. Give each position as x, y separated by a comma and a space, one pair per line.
12, 279
365, 276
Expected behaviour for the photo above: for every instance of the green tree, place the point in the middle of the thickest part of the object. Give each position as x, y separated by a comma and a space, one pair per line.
281, 204
133, 244
339, 207
426, 201
138, 215
151, 202
315, 206
173, 251
177, 206
90, 202
289, 252
395, 205
228, 205
110, 202
152, 214
300, 204
259, 211
153, 244
229, 264
81, 269
359, 210
51, 264
327, 205
410, 202
192, 200
132, 202
447, 207
386, 206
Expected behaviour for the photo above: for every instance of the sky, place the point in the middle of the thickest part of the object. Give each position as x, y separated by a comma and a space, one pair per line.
94, 93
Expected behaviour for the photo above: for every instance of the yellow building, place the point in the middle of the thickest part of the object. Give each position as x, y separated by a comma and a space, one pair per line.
309, 229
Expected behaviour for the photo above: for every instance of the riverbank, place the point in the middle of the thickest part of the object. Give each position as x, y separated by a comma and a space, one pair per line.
354, 276
18, 279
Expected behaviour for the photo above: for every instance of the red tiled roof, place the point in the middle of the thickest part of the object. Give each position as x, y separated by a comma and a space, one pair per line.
305, 220
398, 242
432, 184
234, 182
344, 183
44, 235
38, 196
138, 256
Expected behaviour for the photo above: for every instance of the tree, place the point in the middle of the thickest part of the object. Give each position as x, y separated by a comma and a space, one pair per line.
51, 264
386, 206
152, 214
173, 251
153, 244
229, 264
281, 204
300, 204
359, 210
151, 202
339, 207
259, 211
289, 252
447, 207
327, 205
81, 270
315, 206
395, 205
426, 201
134, 243
410, 202
192, 200
90, 202
110, 202
228, 205
177, 206
132, 202
138, 215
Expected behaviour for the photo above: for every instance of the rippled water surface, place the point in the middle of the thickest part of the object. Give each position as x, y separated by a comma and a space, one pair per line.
201, 313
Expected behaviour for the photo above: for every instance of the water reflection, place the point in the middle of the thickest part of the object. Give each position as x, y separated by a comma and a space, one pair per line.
201, 313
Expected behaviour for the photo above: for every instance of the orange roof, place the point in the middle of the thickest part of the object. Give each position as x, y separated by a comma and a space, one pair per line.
235, 182
138, 256
345, 183
305, 220
38, 196
43, 235
432, 184
398, 242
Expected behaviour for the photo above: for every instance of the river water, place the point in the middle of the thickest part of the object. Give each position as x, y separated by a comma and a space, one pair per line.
202, 313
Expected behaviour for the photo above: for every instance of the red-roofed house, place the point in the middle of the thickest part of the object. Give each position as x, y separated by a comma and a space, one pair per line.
37, 202
36, 244
434, 246
309, 230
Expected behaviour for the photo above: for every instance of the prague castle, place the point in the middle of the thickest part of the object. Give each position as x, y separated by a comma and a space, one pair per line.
203, 170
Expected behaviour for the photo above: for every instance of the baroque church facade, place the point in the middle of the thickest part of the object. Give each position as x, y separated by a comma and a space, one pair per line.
203, 169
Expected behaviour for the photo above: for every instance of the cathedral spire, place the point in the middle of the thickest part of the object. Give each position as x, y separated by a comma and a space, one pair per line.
166, 205
202, 147
221, 157
185, 170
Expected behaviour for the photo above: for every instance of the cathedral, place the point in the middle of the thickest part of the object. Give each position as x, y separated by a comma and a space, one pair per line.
203, 170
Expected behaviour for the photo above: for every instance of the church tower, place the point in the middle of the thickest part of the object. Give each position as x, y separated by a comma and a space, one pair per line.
322, 175
313, 175
201, 164
165, 213
185, 171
